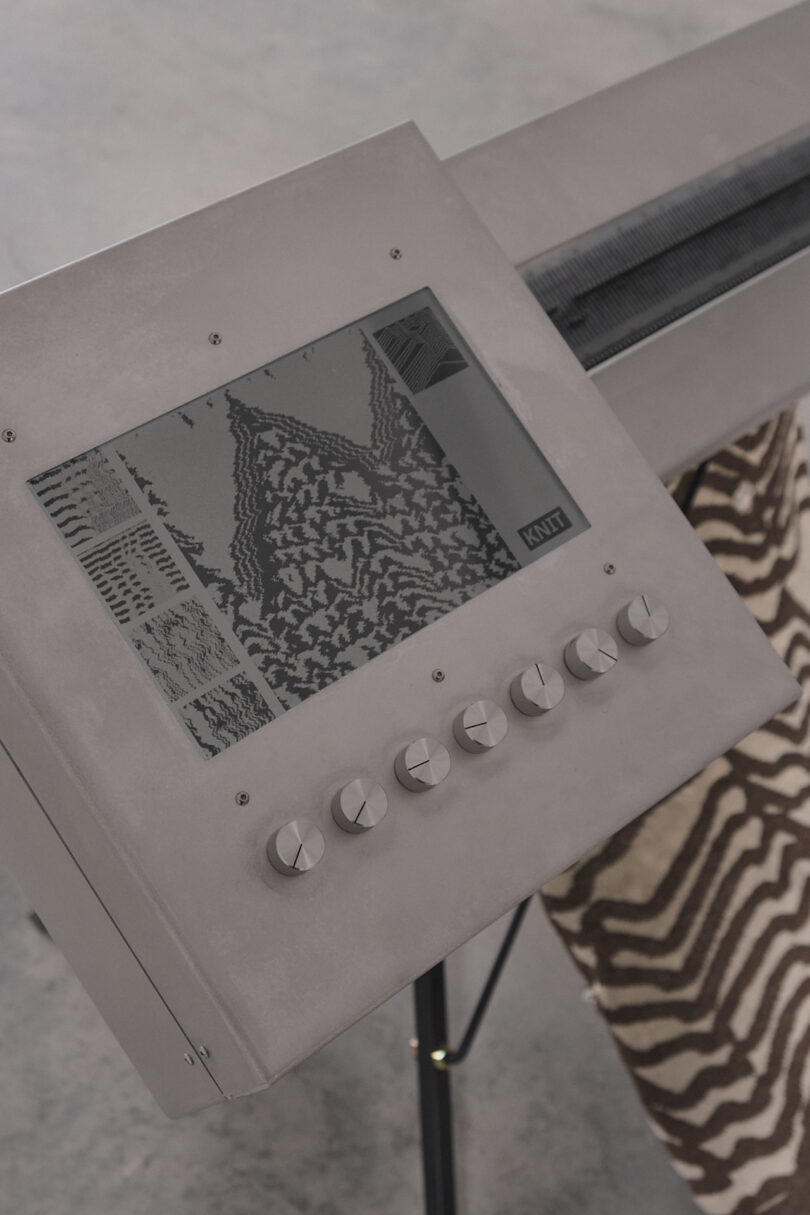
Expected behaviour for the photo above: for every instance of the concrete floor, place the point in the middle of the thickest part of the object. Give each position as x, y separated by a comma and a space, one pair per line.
114, 117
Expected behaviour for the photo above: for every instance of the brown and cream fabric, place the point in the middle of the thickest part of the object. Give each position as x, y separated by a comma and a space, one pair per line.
692, 925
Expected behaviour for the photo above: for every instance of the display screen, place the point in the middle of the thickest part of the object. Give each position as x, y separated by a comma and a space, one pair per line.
263, 540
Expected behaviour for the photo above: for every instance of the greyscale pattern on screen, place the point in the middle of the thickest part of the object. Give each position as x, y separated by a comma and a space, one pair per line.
263, 540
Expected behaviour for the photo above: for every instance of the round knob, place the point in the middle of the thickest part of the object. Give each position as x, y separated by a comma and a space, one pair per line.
642, 620
422, 764
593, 653
360, 805
537, 689
295, 847
481, 726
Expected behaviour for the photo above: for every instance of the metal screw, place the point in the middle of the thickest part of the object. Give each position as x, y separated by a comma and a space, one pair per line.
396, 254
9, 436
242, 798
438, 676
189, 1058
215, 338
609, 567
203, 1052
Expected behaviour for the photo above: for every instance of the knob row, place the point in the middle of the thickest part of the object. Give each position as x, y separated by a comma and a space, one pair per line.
360, 805
299, 845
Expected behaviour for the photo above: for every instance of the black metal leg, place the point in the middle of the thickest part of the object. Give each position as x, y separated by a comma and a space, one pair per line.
435, 1058
453, 1057
434, 1094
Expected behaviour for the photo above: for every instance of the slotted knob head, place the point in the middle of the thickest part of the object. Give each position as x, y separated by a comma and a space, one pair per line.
642, 620
481, 726
593, 653
537, 690
422, 765
360, 805
296, 847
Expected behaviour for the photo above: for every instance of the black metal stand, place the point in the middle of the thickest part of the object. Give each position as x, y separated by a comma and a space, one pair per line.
434, 1059
435, 1107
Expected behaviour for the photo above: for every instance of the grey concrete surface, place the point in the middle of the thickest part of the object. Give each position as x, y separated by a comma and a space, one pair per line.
116, 116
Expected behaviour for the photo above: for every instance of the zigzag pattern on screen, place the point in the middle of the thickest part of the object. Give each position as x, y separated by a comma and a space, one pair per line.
133, 572
364, 545
341, 549
692, 925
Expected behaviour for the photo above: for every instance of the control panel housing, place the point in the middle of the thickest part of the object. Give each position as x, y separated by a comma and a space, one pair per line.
270, 895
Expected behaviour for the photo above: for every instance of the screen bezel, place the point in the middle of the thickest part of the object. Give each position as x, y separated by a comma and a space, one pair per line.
480, 411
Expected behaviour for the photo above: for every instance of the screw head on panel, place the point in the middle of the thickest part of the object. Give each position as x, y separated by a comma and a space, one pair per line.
609, 567
242, 797
8, 435
189, 1058
396, 254
215, 339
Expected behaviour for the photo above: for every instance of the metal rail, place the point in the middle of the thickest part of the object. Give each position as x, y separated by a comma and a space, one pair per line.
724, 346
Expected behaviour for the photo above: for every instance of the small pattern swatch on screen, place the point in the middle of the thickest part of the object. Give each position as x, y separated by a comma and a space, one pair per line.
133, 572
226, 714
183, 649
420, 349
84, 497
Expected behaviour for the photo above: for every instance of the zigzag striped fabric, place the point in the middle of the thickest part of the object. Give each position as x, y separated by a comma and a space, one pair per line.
692, 925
